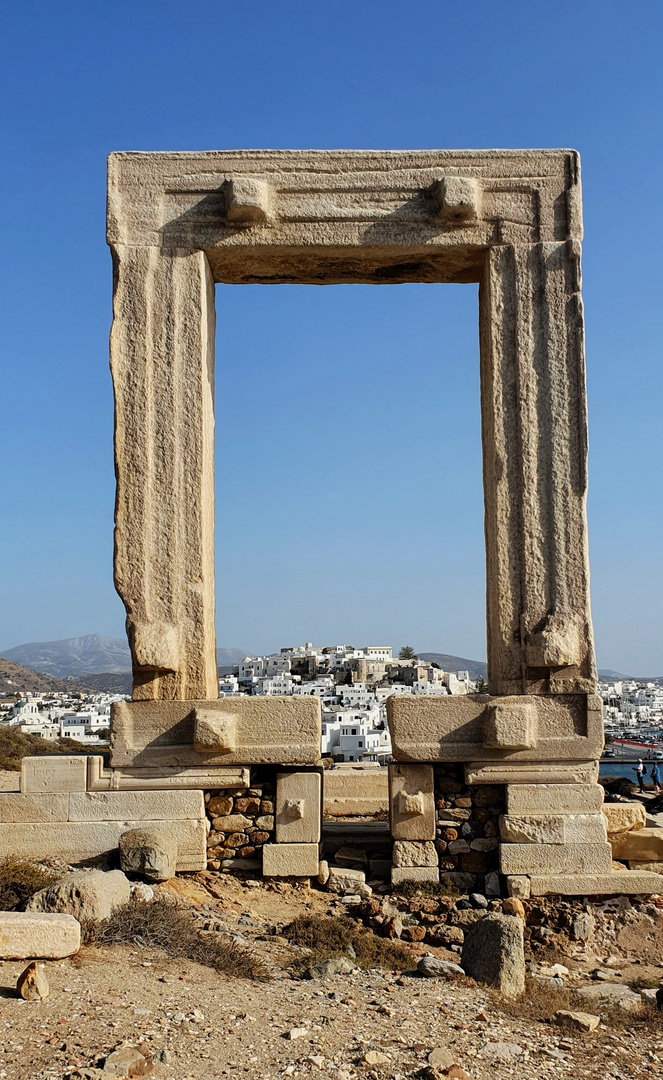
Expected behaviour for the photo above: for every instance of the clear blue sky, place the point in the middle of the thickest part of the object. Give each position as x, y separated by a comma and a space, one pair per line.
349, 489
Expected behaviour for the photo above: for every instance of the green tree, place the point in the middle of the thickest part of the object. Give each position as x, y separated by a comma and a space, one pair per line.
482, 686
407, 653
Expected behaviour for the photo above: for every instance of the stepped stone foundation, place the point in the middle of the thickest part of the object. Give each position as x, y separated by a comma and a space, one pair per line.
516, 769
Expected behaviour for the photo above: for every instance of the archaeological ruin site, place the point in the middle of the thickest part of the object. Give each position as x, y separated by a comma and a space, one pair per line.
520, 763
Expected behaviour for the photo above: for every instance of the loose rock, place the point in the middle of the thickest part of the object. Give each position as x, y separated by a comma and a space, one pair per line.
433, 968
32, 983
87, 895
577, 1021
493, 953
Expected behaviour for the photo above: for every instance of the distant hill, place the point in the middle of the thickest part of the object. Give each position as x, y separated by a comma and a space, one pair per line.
476, 668
15, 679
77, 656
91, 654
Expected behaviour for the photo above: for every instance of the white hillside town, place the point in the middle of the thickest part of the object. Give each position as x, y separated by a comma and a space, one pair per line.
353, 686
80, 716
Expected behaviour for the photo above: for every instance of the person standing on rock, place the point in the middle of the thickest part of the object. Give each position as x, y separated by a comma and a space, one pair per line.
656, 777
640, 773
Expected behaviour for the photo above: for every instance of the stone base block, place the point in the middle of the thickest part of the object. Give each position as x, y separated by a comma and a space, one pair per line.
256, 731
553, 829
548, 798
624, 817
628, 883
555, 859
77, 841
290, 860
519, 886
644, 845
35, 935
654, 867
414, 873
415, 853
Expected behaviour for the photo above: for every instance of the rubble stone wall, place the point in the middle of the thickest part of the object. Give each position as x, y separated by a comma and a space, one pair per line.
467, 829
241, 821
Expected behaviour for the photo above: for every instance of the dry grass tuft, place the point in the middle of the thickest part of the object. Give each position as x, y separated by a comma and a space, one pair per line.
20, 880
539, 1002
14, 746
410, 889
162, 925
327, 937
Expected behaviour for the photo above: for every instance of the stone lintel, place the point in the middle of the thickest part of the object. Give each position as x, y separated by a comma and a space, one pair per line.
555, 798
270, 730
476, 727
547, 858
532, 773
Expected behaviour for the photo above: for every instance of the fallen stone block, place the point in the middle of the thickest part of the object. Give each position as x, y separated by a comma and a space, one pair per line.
611, 995
555, 858
26, 934
87, 895
127, 1062
547, 798
342, 879
493, 953
433, 968
414, 853
577, 1021
151, 853
624, 817
642, 845
32, 984
414, 873
290, 860
518, 885
655, 866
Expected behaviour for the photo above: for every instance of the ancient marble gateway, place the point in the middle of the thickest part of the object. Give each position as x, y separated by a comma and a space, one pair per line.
509, 220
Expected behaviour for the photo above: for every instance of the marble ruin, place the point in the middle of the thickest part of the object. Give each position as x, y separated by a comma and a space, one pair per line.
528, 750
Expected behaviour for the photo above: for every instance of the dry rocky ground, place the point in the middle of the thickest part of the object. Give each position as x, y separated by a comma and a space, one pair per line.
364, 1024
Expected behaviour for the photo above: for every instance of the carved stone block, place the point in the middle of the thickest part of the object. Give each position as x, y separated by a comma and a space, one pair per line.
412, 802
510, 724
298, 808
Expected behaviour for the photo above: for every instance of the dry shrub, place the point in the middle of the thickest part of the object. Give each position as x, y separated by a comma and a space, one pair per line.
409, 889
540, 1001
20, 880
14, 746
162, 925
618, 785
327, 937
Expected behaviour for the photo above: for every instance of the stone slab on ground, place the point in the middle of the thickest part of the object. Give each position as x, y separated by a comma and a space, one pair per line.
77, 841
28, 935
628, 883
610, 995
87, 895
548, 798
290, 860
555, 858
